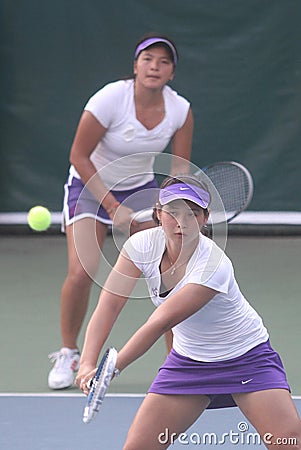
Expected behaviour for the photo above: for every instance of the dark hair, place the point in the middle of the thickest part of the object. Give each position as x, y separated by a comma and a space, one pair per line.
185, 178
157, 44
151, 35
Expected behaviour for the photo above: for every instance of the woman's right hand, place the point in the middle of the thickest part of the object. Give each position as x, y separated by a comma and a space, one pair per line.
122, 219
83, 378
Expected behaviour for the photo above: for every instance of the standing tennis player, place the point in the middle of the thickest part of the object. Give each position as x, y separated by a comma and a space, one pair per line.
137, 117
221, 355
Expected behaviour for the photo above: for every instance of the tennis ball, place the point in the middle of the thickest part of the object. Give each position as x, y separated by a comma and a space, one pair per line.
39, 218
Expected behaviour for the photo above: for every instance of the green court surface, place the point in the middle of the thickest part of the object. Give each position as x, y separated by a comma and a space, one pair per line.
33, 268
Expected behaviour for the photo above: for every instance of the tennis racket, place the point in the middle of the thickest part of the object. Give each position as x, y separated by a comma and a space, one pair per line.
99, 384
233, 182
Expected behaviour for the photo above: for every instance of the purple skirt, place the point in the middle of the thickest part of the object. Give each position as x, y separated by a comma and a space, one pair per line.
80, 203
259, 369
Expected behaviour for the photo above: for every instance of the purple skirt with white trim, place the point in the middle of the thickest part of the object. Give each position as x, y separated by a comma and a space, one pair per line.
259, 369
80, 203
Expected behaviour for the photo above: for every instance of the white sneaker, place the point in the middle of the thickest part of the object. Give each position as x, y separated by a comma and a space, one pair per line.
66, 361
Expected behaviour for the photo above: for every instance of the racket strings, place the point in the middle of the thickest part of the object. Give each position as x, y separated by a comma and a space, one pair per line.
100, 384
98, 380
233, 186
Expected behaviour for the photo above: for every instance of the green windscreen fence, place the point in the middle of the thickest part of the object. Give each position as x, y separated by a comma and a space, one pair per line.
240, 66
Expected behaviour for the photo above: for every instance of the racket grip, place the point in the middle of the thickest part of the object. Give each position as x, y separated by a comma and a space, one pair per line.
89, 384
86, 415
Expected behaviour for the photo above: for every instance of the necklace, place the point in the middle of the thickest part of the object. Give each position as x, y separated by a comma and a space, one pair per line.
174, 268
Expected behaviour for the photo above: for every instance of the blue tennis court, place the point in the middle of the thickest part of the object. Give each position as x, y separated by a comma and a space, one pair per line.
46, 422
34, 418
240, 68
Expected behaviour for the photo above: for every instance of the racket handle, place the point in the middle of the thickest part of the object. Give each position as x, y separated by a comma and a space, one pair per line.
86, 414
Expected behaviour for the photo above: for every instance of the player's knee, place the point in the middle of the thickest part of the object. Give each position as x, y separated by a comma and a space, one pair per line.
290, 439
79, 277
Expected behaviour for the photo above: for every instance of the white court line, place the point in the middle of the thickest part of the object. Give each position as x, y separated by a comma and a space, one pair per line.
245, 218
29, 394
45, 394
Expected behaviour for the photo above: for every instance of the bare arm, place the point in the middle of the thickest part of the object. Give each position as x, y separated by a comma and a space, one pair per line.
88, 134
113, 297
181, 146
170, 313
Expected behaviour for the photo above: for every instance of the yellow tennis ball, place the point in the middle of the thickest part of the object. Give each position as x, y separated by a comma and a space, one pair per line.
39, 218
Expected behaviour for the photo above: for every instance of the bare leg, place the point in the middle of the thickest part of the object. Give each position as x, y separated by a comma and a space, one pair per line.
84, 240
161, 418
273, 413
